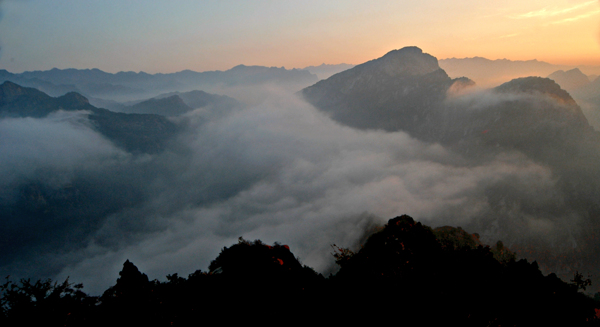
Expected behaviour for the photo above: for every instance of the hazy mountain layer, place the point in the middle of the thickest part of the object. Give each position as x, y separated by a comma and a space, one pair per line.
134, 133
491, 73
168, 107
571, 79
129, 85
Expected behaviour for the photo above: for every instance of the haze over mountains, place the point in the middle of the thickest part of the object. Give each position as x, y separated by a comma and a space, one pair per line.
295, 160
125, 86
491, 73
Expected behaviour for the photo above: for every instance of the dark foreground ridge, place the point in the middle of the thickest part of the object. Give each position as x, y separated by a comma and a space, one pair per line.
406, 272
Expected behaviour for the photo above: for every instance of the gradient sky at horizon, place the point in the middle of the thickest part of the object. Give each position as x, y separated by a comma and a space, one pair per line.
169, 36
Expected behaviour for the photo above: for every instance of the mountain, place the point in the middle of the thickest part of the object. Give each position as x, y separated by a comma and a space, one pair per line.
570, 79
395, 92
138, 133
200, 99
399, 272
44, 86
168, 107
18, 101
124, 86
406, 90
177, 103
535, 116
106, 89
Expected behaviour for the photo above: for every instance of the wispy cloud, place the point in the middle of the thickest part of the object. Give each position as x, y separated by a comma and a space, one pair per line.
546, 12
572, 19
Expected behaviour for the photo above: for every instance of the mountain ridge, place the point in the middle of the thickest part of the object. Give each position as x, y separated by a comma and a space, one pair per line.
133, 132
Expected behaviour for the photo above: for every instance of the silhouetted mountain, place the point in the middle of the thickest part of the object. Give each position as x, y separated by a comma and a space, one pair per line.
571, 79
134, 133
18, 101
407, 264
406, 90
395, 92
426, 277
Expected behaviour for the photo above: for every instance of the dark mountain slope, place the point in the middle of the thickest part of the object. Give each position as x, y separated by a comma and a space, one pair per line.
18, 101
44, 86
200, 99
178, 103
169, 106
133, 132
530, 114
395, 92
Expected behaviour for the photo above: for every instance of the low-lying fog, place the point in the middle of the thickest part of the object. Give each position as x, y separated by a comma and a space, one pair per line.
276, 171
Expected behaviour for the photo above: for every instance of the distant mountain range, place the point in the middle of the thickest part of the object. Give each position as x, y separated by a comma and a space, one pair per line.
125, 86
584, 89
490, 73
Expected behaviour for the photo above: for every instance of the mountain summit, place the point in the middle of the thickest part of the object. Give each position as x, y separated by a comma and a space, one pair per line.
405, 61
570, 79
392, 93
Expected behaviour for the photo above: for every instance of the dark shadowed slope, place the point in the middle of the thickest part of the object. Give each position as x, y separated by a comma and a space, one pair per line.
132, 132
200, 99
395, 92
406, 272
168, 107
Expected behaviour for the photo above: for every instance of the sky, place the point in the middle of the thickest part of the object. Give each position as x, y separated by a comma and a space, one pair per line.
169, 36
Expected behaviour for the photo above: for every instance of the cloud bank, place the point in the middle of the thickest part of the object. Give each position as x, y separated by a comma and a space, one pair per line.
278, 171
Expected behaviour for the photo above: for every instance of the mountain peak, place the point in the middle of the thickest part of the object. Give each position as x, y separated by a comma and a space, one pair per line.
536, 85
570, 79
10, 91
10, 88
74, 101
406, 61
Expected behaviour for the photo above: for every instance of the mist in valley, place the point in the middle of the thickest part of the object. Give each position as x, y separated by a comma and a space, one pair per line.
272, 166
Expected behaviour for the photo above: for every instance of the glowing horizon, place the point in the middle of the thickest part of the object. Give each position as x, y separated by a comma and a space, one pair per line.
165, 37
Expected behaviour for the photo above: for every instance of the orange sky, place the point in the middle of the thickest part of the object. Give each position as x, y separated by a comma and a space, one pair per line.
167, 36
